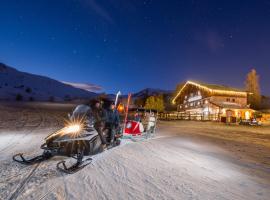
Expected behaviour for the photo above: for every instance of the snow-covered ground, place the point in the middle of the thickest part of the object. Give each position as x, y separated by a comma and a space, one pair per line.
186, 160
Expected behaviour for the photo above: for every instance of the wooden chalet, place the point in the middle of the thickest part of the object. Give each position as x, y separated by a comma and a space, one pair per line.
201, 101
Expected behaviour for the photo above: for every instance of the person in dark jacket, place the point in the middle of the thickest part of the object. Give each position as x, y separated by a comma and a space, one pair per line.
113, 121
99, 115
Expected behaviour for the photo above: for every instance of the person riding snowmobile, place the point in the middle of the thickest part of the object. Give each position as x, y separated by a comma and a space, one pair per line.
78, 138
99, 115
113, 121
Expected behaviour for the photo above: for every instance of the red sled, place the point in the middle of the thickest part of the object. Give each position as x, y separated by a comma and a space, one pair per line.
134, 128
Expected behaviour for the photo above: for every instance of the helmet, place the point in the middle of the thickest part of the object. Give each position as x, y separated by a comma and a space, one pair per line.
93, 102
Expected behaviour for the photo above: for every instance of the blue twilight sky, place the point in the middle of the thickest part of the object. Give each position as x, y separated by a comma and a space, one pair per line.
128, 45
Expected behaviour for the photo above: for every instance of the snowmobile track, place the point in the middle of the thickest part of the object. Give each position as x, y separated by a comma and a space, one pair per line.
22, 184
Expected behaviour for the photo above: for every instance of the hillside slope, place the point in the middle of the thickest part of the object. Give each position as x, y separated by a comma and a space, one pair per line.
19, 85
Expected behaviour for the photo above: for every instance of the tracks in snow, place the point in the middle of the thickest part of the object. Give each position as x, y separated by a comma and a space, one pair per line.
27, 121
22, 184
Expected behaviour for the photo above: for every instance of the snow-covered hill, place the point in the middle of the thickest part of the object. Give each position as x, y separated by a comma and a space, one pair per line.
150, 92
19, 85
143, 94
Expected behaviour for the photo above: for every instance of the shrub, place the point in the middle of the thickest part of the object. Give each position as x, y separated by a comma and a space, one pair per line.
31, 99
67, 98
19, 97
28, 90
51, 99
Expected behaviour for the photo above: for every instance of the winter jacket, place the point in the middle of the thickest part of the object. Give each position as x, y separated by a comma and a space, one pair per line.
99, 115
113, 118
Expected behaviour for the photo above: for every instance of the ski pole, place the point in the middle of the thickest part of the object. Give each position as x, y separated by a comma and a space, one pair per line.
125, 121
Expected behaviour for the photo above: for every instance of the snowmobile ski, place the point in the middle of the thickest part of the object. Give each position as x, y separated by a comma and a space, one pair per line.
74, 168
21, 159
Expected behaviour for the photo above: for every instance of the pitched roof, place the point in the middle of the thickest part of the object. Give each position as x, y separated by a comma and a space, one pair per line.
217, 87
214, 89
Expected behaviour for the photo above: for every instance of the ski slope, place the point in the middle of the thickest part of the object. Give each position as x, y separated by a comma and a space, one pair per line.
176, 164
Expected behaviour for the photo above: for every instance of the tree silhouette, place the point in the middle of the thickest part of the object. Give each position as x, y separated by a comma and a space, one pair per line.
253, 87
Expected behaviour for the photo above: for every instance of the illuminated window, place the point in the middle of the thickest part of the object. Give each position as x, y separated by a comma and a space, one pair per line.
247, 115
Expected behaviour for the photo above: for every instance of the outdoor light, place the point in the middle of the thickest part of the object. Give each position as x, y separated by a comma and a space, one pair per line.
223, 111
120, 108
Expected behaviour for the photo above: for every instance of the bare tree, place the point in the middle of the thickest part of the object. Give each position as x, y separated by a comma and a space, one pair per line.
253, 87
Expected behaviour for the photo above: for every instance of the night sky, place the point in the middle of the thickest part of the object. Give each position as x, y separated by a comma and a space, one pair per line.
130, 45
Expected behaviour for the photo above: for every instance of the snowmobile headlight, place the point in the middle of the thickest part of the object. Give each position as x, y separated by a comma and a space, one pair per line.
74, 128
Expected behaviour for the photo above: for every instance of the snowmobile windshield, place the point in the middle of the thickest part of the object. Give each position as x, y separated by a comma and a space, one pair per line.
83, 111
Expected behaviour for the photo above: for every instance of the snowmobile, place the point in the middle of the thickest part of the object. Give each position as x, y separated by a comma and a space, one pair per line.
77, 139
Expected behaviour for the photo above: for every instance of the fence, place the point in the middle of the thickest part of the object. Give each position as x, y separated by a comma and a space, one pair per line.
188, 116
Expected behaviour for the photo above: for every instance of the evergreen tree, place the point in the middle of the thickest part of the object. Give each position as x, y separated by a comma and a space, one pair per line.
253, 87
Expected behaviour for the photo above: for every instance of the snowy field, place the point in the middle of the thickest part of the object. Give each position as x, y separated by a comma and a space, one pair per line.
186, 160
